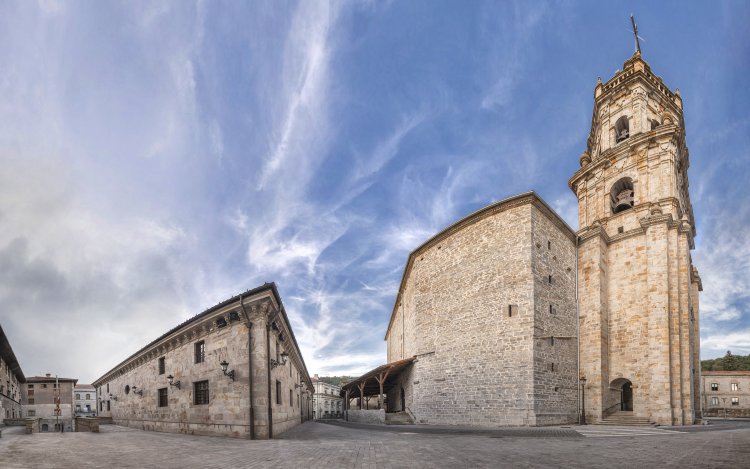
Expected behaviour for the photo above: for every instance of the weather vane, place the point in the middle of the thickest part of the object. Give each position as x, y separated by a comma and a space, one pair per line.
635, 33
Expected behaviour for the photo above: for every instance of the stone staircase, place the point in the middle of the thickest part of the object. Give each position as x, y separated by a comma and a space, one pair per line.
398, 418
625, 418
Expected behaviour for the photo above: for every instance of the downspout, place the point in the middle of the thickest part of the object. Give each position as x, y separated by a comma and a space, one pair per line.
250, 368
578, 337
268, 372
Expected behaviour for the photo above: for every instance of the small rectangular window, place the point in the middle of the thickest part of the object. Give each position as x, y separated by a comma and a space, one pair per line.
552, 310
162, 366
512, 310
278, 392
714, 400
552, 341
31, 386
549, 244
31, 392
44, 386
735, 387
549, 279
200, 389
108, 406
200, 352
291, 398
163, 397
31, 401
714, 386
735, 401
551, 367
78, 397
31, 413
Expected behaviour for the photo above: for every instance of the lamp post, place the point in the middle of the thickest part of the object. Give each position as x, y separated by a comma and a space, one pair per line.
582, 379
725, 406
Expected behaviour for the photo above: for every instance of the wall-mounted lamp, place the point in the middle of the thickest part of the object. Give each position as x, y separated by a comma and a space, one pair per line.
137, 391
281, 362
114, 398
172, 382
224, 365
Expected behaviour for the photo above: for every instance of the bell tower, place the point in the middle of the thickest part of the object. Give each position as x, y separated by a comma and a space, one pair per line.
637, 287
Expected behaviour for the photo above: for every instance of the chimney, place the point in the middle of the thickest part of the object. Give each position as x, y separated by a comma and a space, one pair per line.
48, 375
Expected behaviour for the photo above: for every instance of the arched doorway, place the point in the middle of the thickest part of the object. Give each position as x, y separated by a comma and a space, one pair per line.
624, 387
627, 397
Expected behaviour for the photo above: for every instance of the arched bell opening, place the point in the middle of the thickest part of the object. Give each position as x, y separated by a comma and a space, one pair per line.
622, 195
622, 129
625, 388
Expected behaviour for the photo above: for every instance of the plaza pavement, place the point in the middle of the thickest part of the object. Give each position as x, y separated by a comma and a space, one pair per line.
346, 445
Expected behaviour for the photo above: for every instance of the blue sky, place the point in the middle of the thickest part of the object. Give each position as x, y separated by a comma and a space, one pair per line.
160, 157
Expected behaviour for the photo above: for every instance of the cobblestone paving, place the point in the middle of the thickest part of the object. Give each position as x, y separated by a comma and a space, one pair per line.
319, 445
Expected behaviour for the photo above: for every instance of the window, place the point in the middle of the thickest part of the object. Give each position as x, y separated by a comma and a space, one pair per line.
278, 392
78, 397
735, 401
88, 407
78, 407
44, 386
201, 392
161, 366
549, 245
31, 401
735, 387
107, 387
163, 400
714, 386
278, 358
552, 310
88, 396
622, 195
31, 413
291, 398
108, 406
552, 341
512, 310
200, 352
31, 386
551, 367
101, 406
127, 389
654, 124
714, 400
31, 392
549, 279
622, 129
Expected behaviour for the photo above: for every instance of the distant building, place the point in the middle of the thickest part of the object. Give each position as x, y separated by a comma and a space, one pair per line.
84, 400
49, 399
232, 370
327, 403
726, 393
11, 381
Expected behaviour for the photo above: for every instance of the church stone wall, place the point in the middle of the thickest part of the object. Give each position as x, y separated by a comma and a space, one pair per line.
469, 304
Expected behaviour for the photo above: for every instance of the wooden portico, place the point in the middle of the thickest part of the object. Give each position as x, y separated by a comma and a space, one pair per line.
376, 382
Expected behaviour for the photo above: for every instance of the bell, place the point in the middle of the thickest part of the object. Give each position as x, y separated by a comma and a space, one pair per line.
624, 201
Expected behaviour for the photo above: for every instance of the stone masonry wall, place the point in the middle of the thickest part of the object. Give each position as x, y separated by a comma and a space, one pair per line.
475, 354
555, 325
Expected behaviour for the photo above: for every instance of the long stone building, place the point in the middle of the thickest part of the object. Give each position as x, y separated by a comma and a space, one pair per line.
726, 393
11, 381
234, 370
509, 317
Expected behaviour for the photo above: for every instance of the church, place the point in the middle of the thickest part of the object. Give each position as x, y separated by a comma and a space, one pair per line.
511, 317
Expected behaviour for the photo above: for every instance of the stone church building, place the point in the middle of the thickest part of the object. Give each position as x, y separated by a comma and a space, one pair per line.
510, 317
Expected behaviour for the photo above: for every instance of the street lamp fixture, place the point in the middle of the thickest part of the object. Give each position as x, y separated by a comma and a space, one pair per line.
582, 379
172, 382
137, 391
224, 365
281, 362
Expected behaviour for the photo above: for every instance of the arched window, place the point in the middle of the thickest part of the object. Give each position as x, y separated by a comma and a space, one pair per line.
654, 124
622, 195
622, 129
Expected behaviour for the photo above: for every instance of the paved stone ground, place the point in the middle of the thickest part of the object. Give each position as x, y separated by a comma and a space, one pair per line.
341, 445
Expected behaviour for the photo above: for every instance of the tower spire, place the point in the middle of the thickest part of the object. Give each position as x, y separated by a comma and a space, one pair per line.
635, 33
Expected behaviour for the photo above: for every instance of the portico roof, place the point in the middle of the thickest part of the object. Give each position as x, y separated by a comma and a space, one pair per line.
369, 383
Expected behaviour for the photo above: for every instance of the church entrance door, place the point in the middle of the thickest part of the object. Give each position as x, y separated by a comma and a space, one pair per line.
627, 397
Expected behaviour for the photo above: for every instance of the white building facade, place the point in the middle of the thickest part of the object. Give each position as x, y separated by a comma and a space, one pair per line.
327, 402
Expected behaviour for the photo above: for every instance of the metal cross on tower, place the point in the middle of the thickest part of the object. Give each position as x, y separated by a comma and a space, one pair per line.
635, 33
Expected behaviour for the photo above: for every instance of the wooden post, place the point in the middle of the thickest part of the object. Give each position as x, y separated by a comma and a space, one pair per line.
381, 379
361, 387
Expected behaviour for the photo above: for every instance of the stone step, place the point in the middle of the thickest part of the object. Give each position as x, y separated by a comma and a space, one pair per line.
398, 418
